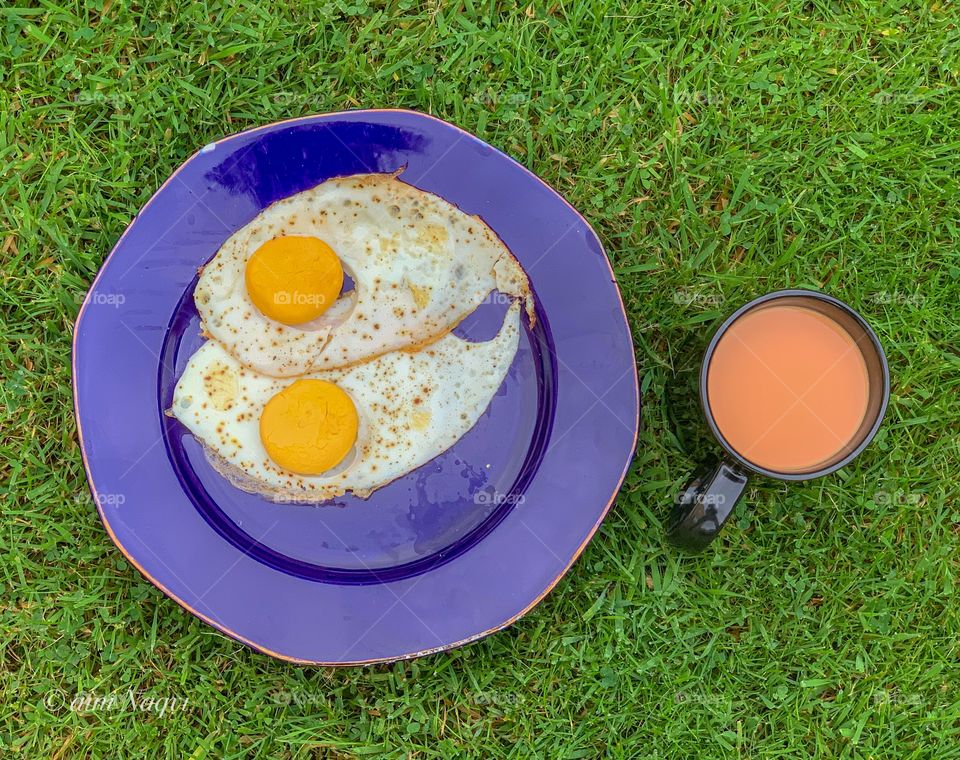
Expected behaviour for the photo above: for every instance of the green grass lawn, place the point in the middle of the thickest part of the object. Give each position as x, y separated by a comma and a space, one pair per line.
719, 154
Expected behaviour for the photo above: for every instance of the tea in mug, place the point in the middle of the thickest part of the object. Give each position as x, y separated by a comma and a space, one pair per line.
787, 387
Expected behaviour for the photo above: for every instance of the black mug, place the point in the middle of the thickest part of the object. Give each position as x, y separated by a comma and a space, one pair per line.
711, 496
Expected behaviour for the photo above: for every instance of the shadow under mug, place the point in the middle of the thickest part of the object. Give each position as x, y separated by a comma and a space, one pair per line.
711, 496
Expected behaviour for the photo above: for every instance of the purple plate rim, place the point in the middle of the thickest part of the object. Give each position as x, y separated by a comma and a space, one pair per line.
208, 619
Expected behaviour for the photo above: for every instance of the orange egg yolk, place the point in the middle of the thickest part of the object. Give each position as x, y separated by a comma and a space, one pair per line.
294, 279
309, 426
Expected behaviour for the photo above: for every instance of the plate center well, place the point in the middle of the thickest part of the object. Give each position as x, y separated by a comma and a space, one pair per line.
407, 527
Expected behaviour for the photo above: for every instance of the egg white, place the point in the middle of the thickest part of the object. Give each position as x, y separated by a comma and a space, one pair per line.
419, 264
411, 406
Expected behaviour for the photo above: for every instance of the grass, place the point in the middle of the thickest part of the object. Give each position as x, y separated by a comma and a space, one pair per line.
720, 152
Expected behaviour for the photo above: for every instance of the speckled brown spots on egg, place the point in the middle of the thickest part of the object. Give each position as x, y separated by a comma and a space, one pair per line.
221, 385
297, 350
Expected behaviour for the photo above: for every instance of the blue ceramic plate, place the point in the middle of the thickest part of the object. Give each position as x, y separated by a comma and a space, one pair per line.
455, 550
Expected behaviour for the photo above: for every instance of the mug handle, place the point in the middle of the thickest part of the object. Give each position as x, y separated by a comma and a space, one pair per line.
706, 505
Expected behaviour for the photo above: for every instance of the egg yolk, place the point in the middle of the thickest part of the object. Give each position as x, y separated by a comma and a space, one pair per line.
294, 279
309, 426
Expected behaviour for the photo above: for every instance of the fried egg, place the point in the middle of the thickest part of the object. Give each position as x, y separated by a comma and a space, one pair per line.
352, 430
271, 296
